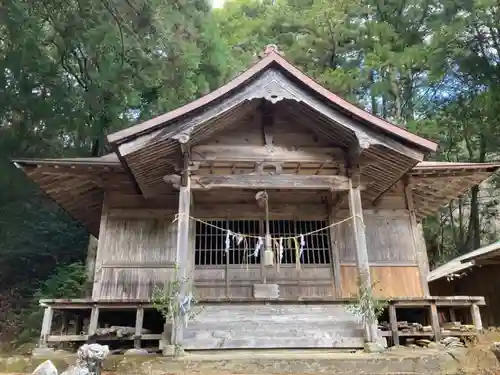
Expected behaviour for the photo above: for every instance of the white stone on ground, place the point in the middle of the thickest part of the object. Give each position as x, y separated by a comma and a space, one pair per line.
45, 368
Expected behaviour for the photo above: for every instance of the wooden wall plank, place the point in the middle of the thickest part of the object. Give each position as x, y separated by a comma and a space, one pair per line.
251, 211
308, 281
418, 241
136, 253
391, 281
285, 132
146, 241
134, 256
132, 283
389, 238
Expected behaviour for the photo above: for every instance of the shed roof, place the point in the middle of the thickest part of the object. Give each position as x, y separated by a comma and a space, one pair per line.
436, 183
78, 184
464, 262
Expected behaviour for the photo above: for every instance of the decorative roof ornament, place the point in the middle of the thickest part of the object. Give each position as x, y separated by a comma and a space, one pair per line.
270, 48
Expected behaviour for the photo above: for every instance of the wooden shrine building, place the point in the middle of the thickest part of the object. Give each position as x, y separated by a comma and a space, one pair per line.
345, 192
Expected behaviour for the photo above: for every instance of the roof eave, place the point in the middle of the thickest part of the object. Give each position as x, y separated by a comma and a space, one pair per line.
490, 167
20, 163
137, 130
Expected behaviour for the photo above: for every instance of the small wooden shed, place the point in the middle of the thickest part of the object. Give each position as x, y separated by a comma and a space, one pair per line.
345, 192
475, 273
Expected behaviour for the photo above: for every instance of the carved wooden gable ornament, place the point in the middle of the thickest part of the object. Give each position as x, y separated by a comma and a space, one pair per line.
145, 148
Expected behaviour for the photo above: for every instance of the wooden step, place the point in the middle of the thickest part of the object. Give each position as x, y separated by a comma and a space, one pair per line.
273, 326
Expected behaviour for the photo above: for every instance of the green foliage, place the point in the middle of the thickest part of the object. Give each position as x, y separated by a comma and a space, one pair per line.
166, 299
431, 66
66, 281
72, 71
366, 306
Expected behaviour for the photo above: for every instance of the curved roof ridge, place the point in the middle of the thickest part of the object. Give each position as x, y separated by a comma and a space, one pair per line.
272, 56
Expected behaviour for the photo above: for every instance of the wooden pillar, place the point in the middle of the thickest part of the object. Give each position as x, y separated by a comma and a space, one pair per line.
436, 327
90, 264
97, 278
453, 315
476, 316
363, 265
46, 327
418, 241
139, 319
94, 320
263, 270
393, 321
336, 276
226, 268
182, 246
64, 322
79, 325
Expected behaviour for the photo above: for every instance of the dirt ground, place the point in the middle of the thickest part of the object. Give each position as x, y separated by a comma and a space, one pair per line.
477, 358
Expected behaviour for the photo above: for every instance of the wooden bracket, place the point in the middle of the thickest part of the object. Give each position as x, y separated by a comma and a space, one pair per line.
193, 166
174, 179
261, 166
176, 164
183, 139
339, 198
353, 154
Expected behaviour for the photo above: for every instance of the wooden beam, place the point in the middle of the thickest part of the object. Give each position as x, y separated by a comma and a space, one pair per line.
147, 213
139, 320
363, 265
182, 246
94, 321
130, 201
476, 316
260, 154
393, 320
90, 264
436, 328
277, 211
64, 322
46, 327
353, 155
485, 262
101, 242
418, 243
270, 181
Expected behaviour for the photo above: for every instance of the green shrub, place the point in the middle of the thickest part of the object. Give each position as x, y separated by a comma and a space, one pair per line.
67, 281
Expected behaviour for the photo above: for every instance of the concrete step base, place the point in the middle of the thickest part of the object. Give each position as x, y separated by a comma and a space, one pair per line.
229, 362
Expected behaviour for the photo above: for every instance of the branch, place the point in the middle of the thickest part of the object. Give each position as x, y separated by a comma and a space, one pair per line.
119, 24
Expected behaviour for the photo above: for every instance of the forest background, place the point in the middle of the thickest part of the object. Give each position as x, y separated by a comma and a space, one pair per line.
72, 71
